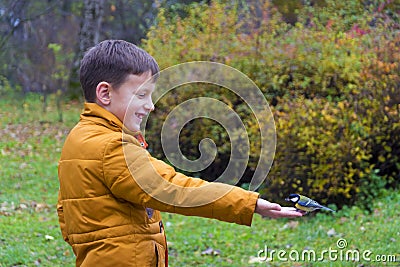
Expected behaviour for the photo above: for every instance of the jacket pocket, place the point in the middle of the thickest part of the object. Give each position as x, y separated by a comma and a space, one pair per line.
160, 254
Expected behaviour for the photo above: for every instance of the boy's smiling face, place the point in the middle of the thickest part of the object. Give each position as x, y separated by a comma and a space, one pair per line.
131, 102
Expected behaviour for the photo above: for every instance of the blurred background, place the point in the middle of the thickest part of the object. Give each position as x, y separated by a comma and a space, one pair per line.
329, 69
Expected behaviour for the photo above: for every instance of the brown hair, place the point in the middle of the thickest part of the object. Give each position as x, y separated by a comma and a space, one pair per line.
112, 61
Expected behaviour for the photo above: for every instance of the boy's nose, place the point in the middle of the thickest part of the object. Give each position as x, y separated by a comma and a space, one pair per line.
149, 106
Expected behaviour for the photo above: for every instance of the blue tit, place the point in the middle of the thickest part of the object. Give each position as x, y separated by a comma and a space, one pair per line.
305, 204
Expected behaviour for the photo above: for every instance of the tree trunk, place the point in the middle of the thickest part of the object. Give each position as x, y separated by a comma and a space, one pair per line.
92, 15
90, 31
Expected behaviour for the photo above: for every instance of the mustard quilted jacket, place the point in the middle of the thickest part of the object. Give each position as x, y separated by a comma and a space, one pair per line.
112, 191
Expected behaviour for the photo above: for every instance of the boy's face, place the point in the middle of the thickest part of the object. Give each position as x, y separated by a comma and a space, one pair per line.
131, 102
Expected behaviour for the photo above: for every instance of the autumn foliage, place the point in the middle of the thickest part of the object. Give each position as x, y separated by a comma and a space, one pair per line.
332, 78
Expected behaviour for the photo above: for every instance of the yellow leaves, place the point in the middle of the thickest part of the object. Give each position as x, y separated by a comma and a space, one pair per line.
387, 148
329, 118
333, 89
205, 33
327, 146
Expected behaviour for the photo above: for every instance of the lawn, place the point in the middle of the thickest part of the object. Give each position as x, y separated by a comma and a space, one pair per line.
30, 144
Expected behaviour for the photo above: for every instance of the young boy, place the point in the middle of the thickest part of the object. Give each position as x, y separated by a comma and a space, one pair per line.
105, 214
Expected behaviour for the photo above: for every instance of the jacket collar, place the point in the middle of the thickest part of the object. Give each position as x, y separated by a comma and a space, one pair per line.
100, 115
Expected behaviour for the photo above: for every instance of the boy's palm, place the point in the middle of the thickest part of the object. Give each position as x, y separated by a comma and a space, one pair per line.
274, 210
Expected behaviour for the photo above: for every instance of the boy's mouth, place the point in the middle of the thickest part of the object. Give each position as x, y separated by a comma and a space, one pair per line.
140, 115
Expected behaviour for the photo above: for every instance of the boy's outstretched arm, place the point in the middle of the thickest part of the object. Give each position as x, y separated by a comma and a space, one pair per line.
274, 210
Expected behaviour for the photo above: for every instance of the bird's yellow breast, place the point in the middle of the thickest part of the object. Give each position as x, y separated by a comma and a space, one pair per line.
303, 208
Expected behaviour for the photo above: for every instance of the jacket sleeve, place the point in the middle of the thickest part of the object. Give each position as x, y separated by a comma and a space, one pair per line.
61, 219
132, 174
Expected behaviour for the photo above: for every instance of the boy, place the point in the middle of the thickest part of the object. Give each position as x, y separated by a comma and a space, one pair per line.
107, 217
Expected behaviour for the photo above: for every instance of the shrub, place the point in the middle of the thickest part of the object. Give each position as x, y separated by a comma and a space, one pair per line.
322, 151
7, 89
332, 79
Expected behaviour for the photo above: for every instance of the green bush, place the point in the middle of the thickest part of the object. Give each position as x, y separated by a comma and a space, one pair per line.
322, 151
381, 81
332, 79
7, 89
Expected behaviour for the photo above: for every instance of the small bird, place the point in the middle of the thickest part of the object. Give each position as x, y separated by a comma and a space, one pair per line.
305, 204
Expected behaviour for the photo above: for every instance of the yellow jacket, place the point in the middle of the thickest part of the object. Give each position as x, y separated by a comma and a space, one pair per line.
107, 214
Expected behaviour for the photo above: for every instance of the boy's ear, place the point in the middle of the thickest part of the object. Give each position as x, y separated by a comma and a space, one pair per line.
103, 93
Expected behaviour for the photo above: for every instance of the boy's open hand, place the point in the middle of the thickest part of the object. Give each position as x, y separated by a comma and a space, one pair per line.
274, 210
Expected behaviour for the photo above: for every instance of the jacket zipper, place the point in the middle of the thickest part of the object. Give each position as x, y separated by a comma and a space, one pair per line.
162, 230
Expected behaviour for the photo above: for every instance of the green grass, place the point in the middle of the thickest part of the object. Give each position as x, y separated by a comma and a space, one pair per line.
29, 233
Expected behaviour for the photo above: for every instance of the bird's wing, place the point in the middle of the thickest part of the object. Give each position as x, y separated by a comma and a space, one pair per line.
304, 201
313, 204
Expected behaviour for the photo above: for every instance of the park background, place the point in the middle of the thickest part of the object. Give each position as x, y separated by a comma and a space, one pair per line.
330, 71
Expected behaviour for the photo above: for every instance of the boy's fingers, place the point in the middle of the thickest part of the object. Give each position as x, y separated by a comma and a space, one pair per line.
285, 212
274, 206
289, 209
292, 212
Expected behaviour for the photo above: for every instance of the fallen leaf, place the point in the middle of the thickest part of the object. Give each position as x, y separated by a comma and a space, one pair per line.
44, 219
5, 213
23, 206
289, 245
49, 237
67, 253
331, 232
23, 165
290, 225
254, 260
40, 207
211, 251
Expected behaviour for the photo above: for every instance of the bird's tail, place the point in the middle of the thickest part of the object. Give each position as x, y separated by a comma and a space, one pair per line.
328, 209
